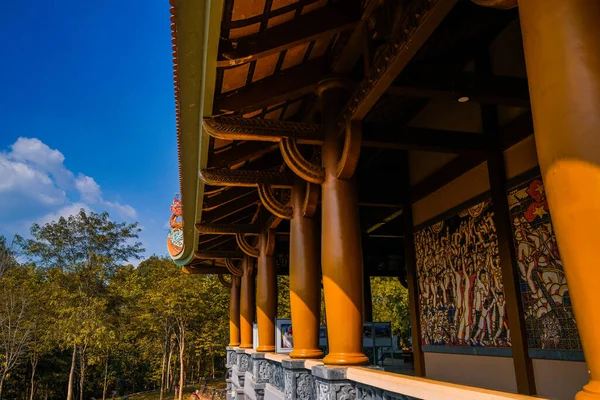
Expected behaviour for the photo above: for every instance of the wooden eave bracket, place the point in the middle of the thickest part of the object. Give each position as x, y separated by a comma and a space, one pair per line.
235, 271
224, 282
245, 247
274, 206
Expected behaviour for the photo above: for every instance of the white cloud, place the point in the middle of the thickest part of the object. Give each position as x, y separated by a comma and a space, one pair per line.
35, 183
88, 189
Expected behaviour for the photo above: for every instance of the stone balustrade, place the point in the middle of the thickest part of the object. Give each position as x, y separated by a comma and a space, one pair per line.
269, 376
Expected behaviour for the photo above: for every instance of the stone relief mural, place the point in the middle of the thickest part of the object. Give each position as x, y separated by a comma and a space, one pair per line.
548, 314
461, 293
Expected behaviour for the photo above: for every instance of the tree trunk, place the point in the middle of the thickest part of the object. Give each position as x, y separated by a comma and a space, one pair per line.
82, 366
34, 361
181, 350
72, 374
169, 367
212, 353
162, 372
2, 378
105, 388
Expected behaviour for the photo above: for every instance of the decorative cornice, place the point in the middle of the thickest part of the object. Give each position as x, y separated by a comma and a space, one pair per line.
226, 177
414, 17
298, 164
260, 129
217, 254
245, 246
274, 206
500, 4
233, 269
227, 229
351, 152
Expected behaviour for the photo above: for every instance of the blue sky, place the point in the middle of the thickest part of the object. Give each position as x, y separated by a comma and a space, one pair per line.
87, 113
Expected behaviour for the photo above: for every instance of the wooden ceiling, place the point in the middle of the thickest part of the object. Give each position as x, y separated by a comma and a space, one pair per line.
408, 60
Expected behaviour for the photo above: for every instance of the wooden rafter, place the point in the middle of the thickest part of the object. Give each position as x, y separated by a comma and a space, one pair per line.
240, 153
217, 254
286, 85
231, 208
392, 135
225, 197
266, 130
420, 21
306, 28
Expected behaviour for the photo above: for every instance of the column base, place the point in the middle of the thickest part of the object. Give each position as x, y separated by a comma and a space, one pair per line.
265, 349
346, 359
306, 353
246, 346
591, 391
234, 344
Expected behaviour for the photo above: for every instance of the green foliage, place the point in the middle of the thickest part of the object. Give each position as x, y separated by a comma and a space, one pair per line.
390, 304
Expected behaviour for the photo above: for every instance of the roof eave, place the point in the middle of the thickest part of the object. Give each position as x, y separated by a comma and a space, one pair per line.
198, 25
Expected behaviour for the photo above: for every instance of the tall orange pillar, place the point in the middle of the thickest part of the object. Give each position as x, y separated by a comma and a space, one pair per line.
234, 312
266, 293
305, 282
562, 52
247, 303
341, 248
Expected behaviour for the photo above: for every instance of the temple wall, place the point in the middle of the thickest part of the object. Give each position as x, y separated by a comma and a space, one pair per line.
472, 370
559, 374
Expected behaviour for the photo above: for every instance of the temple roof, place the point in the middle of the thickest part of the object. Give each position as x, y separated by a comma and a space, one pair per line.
407, 63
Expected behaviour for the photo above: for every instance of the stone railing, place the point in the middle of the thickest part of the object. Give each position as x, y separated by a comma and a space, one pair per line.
269, 376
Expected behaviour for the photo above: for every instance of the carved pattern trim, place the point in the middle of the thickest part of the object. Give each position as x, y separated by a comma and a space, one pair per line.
418, 12
226, 229
224, 282
244, 178
351, 152
311, 200
298, 164
232, 268
259, 129
245, 246
275, 207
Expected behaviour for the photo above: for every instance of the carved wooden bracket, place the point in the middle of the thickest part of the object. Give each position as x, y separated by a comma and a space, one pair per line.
311, 199
226, 177
224, 282
351, 152
217, 254
245, 246
259, 129
233, 269
227, 229
275, 207
298, 164
500, 4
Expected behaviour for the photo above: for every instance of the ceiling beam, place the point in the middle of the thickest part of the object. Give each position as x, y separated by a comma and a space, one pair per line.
434, 83
392, 135
420, 21
286, 85
510, 134
320, 23
236, 155
225, 197
246, 178
231, 208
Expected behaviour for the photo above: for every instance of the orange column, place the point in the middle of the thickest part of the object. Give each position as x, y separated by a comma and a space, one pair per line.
266, 293
341, 249
247, 303
562, 51
234, 312
305, 282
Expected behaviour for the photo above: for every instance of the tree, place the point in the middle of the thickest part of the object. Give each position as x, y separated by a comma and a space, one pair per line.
390, 303
18, 294
84, 250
